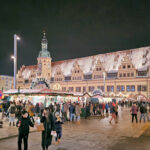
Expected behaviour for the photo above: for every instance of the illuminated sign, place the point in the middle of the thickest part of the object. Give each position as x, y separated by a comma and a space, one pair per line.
39, 83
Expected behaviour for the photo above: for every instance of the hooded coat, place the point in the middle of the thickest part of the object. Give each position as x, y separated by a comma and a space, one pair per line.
49, 125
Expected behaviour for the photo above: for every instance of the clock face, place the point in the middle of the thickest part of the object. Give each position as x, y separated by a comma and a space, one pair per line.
44, 46
49, 66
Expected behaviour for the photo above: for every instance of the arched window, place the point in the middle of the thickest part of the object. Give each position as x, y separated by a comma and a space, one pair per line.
124, 66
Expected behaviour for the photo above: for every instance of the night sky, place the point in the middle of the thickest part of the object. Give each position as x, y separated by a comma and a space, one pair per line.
75, 28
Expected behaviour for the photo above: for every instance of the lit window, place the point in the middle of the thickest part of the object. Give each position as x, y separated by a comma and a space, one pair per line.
110, 88
78, 89
142, 88
128, 88
131, 88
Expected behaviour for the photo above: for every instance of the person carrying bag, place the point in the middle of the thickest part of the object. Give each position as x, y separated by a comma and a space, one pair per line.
49, 127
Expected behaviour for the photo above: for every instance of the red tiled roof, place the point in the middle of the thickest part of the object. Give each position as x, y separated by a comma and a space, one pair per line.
31, 67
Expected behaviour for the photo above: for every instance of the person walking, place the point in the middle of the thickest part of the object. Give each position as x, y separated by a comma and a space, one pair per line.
113, 113
116, 110
134, 111
65, 111
31, 110
18, 110
48, 121
143, 111
103, 109
23, 127
78, 113
37, 110
12, 111
87, 111
94, 109
91, 109
72, 112
107, 107
58, 128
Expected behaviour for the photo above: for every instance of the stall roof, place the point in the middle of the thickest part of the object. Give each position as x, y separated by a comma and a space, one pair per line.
22, 91
36, 91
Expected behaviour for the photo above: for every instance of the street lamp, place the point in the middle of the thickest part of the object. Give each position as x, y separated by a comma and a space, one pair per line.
14, 57
104, 77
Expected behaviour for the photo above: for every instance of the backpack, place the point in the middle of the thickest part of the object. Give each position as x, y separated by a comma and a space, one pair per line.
12, 110
143, 109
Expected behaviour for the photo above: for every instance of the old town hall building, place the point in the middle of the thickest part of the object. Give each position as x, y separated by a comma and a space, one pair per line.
122, 73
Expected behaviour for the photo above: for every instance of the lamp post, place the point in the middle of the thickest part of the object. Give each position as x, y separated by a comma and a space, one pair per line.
104, 76
14, 57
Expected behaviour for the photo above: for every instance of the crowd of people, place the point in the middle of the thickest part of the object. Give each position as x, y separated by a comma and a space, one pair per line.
72, 111
143, 108
56, 114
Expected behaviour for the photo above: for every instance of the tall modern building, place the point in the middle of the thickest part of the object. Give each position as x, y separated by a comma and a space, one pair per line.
122, 73
6, 82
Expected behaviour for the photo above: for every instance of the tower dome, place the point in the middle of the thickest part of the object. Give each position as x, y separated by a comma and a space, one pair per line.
44, 52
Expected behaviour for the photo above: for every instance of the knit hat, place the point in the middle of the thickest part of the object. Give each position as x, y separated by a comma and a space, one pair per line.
24, 112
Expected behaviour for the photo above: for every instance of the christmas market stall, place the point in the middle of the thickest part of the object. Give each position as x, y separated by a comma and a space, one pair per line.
45, 96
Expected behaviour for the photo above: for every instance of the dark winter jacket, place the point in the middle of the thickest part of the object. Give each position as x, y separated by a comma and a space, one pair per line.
134, 110
18, 111
72, 109
112, 109
37, 109
100, 106
24, 125
48, 125
58, 126
106, 106
143, 109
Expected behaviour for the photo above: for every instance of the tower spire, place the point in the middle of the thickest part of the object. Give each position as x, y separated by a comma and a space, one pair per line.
44, 34
44, 42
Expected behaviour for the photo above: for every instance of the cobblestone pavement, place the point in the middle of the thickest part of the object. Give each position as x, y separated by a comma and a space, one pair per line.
93, 134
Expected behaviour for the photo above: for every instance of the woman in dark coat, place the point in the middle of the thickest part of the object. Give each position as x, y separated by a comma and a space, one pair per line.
49, 125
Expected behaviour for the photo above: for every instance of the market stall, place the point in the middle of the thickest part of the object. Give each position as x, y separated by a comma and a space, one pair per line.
45, 96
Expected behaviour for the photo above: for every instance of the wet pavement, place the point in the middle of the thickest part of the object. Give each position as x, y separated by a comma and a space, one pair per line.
94, 133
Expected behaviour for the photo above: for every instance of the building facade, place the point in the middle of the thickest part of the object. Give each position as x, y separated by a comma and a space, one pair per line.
6, 82
122, 73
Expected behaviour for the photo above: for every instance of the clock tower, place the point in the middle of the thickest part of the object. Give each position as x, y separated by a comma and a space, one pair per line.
44, 60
